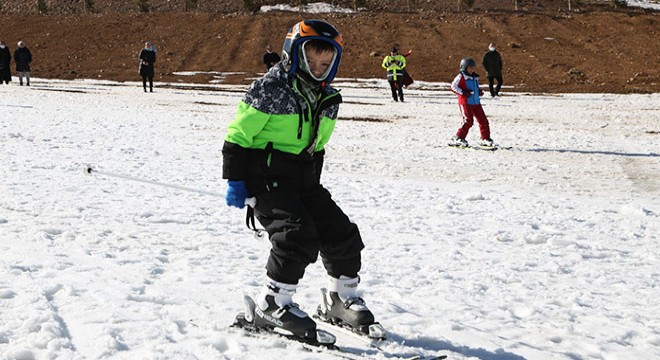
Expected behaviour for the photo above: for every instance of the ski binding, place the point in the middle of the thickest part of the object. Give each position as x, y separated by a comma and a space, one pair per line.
373, 331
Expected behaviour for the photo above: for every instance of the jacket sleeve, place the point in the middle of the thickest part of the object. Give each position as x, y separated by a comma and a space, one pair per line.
234, 160
456, 84
248, 123
239, 140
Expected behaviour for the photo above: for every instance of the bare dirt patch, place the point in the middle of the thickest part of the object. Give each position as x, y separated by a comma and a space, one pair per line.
589, 51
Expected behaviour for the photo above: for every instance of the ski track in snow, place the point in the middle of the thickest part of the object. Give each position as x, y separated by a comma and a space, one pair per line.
545, 251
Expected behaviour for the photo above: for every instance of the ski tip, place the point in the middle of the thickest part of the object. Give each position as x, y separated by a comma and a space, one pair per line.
325, 338
250, 305
87, 169
240, 321
376, 331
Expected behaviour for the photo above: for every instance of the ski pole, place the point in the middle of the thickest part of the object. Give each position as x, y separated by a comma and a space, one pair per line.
88, 170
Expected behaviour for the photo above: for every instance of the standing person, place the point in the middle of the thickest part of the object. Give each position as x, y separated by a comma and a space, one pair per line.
273, 152
270, 58
466, 86
492, 62
407, 79
147, 60
394, 64
5, 62
23, 59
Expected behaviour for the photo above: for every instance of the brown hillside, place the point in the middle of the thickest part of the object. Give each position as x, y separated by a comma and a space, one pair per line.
588, 51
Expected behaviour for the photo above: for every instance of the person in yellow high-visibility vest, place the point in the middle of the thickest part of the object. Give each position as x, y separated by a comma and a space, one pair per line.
394, 64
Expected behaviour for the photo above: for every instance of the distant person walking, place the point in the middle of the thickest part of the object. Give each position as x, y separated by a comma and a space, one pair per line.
23, 59
5, 61
270, 58
492, 62
394, 64
147, 60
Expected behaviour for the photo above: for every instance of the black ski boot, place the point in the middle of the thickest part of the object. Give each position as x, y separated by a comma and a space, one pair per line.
289, 318
251, 321
344, 308
275, 311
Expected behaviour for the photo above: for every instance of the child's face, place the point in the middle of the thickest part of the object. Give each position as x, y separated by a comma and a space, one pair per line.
319, 62
471, 69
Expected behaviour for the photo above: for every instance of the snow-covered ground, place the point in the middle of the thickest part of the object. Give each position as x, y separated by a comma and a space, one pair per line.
648, 4
545, 251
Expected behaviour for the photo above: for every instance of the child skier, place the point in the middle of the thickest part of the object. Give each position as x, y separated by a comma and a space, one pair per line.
274, 151
466, 86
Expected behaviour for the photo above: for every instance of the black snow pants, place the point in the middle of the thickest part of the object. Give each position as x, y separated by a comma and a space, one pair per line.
491, 81
302, 224
397, 87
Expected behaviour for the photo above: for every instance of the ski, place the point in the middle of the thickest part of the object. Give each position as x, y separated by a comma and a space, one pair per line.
311, 347
374, 336
379, 346
484, 147
364, 347
481, 147
324, 341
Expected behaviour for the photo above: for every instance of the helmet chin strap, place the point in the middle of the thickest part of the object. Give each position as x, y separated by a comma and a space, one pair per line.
308, 80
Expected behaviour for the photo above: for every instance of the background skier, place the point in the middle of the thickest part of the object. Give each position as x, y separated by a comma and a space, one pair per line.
23, 59
394, 64
270, 58
147, 60
492, 62
5, 62
466, 86
274, 152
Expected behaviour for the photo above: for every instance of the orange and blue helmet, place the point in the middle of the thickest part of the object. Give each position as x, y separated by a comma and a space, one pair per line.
293, 48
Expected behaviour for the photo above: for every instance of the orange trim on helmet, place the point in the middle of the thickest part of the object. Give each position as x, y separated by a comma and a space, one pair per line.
339, 40
307, 30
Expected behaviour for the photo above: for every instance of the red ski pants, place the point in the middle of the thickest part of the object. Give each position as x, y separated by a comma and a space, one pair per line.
470, 112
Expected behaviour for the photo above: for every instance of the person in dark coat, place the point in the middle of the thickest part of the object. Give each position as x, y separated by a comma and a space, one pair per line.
492, 62
23, 59
5, 60
270, 58
147, 59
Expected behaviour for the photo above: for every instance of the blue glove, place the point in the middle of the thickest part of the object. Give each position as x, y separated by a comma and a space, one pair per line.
236, 194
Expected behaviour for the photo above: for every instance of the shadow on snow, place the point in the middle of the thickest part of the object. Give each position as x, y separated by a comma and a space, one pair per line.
591, 152
435, 345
